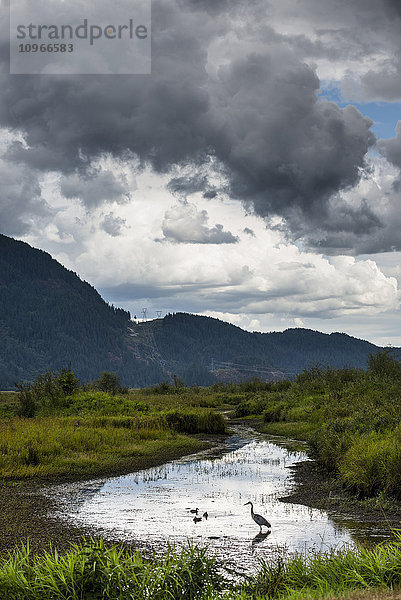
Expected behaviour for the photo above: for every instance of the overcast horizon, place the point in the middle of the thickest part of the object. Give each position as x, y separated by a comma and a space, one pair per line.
253, 176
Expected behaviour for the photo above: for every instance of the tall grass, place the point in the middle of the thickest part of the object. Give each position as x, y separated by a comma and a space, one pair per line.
90, 432
372, 463
94, 571
333, 573
82, 446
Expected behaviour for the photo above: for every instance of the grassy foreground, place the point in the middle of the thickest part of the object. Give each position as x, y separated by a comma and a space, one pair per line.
93, 570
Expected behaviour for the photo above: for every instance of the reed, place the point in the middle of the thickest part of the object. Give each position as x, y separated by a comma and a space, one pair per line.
94, 569
334, 573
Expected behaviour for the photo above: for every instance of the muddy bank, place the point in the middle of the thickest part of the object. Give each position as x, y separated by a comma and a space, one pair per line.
314, 488
25, 515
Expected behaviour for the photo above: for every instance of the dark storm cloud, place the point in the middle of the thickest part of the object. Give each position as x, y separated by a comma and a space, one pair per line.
210, 6
391, 148
94, 188
287, 149
362, 35
394, 5
377, 35
70, 120
348, 229
281, 151
384, 84
185, 186
21, 202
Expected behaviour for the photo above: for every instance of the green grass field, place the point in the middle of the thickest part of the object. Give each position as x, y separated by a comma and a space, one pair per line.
93, 432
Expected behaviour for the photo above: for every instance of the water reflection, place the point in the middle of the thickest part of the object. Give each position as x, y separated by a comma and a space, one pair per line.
260, 537
158, 506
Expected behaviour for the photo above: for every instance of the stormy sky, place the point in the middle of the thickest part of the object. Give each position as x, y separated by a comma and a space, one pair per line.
254, 175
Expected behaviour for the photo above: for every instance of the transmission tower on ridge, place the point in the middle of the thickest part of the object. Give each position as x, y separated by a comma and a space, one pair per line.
159, 314
144, 314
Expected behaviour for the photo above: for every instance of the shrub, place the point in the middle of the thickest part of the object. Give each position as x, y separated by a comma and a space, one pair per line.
196, 422
161, 388
27, 406
383, 364
273, 413
49, 391
68, 382
245, 408
110, 382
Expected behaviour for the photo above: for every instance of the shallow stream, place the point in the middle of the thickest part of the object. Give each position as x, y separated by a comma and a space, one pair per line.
152, 508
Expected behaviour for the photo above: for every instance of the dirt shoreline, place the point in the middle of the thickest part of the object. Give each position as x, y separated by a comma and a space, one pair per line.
314, 488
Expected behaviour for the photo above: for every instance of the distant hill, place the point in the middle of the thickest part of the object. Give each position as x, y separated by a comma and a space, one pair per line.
196, 346
49, 318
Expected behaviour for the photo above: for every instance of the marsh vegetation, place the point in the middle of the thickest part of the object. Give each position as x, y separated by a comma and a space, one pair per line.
350, 419
54, 427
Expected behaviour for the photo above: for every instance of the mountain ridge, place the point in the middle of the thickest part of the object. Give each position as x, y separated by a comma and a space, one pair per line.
51, 318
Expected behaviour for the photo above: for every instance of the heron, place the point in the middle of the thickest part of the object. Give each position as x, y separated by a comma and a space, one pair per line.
258, 518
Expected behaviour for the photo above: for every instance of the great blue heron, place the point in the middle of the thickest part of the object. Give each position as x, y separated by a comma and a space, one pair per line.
258, 518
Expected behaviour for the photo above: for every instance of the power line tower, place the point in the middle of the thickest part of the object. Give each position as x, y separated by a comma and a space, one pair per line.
144, 314
159, 314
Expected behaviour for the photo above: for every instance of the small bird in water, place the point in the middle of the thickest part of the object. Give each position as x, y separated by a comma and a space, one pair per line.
205, 515
258, 518
194, 511
197, 519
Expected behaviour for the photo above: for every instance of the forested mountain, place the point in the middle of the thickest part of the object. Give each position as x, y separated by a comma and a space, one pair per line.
190, 345
50, 318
